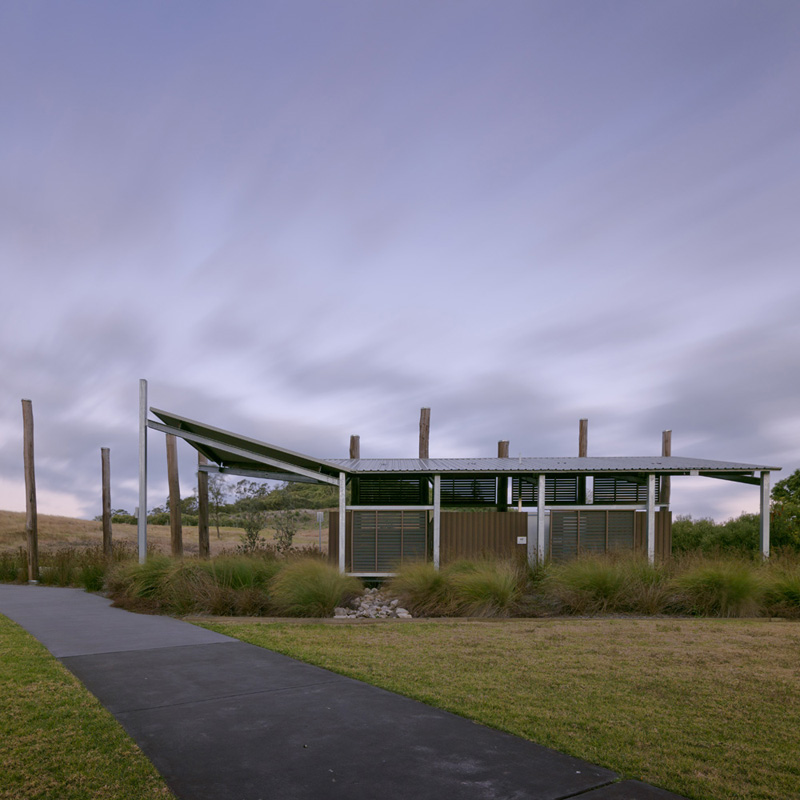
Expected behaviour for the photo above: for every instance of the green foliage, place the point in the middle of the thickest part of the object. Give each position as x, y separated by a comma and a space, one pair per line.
739, 535
309, 587
14, 566
286, 523
785, 513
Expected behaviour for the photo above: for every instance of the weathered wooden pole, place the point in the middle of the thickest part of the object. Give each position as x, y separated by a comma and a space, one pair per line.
583, 449
106, 473
424, 432
175, 531
204, 546
502, 482
666, 450
355, 447
583, 438
31, 517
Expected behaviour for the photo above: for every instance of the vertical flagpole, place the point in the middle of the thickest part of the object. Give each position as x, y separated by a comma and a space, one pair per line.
142, 520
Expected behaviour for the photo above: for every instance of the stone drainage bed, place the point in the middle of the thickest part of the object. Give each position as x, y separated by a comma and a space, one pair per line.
373, 604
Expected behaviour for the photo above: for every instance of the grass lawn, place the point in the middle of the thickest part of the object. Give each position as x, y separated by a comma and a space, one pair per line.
704, 708
56, 740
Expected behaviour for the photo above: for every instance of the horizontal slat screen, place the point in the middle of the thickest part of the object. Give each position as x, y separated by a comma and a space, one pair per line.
558, 490
615, 490
383, 540
469, 491
393, 491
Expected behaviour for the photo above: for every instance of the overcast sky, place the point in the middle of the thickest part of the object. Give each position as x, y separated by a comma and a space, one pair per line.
302, 220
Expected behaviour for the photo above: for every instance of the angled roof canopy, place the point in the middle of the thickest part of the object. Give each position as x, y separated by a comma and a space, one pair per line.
240, 454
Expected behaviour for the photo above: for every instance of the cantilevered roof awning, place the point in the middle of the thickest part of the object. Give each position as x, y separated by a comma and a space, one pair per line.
242, 455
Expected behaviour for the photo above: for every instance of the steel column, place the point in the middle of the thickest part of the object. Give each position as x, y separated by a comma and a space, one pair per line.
437, 520
651, 518
763, 528
342, 520
541, 545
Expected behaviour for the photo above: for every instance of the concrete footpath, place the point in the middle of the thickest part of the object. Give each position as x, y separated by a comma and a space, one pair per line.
223, 719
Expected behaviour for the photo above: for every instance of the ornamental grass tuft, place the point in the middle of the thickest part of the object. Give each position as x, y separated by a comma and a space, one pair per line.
311, 588
719, 588
484, 588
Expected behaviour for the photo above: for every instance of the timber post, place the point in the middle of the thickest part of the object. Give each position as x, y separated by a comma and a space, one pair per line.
583, 450
175, 531
502, 482
31, 516
424, 432
666, 450
203, 544
105, 467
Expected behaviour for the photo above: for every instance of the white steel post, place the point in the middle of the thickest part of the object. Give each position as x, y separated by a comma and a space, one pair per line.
764, 521
540, 537
437, 520
651, 518
342, 520
142, 519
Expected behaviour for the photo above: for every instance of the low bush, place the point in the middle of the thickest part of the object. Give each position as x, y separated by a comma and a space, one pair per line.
311, 588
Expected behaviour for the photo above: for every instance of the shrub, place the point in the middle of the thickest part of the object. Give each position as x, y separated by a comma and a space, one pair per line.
312, 588
719, 588
484, 588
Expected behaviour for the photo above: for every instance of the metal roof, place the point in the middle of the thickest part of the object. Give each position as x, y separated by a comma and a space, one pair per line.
237, 453
240, 453
641, 464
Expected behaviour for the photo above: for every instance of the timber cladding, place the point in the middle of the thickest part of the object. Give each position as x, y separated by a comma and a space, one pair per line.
466, 534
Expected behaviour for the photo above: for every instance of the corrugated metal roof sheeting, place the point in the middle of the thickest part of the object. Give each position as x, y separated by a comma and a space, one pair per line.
541, 465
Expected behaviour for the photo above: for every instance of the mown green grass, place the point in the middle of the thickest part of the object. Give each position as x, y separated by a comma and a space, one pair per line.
56, 741
705, 708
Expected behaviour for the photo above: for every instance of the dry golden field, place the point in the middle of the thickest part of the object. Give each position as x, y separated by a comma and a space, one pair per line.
55, 532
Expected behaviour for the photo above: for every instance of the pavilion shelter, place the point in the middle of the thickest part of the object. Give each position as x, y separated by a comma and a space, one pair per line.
443, 509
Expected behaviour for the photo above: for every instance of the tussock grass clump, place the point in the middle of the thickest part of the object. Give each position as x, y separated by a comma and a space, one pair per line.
14, 566
586, 585
781, 596
599, 584
719, 588
484, 588
423, 590
311, 588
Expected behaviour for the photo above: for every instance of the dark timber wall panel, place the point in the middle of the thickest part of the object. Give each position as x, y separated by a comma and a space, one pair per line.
481, 534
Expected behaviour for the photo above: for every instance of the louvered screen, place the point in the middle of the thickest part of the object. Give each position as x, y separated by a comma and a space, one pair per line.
469, 491
382, 540
574, 532
620, 530
564, 534
558, 490
393, 491
592, 532
615, 490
